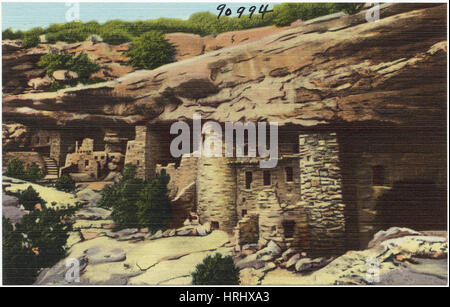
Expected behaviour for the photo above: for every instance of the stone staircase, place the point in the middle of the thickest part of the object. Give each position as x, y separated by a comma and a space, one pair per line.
52, 169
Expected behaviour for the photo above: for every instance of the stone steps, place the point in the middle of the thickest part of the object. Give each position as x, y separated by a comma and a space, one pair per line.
52, 169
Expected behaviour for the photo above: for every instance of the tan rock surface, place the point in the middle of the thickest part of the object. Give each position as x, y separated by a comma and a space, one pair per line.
342, 70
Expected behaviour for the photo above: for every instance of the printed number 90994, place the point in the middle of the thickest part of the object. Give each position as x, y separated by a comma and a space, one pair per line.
263, 9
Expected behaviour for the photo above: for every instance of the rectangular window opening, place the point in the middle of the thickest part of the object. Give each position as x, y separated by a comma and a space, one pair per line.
266, 175
248, 180
289, 174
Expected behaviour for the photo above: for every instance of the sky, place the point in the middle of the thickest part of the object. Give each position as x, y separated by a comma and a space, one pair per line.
27, 15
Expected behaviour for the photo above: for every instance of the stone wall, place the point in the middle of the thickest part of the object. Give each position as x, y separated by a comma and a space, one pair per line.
284, 224
288, 192
143, 152
321, 189
247, 230
216, 192
181, 176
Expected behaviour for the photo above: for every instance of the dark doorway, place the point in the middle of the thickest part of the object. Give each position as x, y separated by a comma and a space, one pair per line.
289, 174
248, 180
215, 225
289, 228
266, 175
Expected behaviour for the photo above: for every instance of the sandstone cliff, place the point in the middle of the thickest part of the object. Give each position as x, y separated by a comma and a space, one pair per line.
339, 70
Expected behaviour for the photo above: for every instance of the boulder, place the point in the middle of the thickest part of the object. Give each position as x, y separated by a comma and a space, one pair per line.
203, 229
9, 201
11, 208
93, 213
156, 235
391, 233
272, 250
292, 261
40, 83
288, 253
250, 261
89, 196
303, 264
64, 75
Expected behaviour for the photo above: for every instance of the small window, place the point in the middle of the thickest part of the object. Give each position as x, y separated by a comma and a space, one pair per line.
96, 158
215, 225
378, 175
244, 212
102, 157
248, 180
289, 227
48, 139
86, 162
137, 162
266, 175
289, 174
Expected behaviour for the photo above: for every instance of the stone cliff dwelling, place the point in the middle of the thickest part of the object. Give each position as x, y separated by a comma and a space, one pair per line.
362, 130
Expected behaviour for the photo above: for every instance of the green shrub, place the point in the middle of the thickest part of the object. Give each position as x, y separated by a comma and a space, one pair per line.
33, 173
15, 169
30, 197
65, 183
47, 231
37, 242
19, 262
136, 203
216, 270
153, 205
150, 50
115, 36
287, 13
81, 64
30, 40
10, 34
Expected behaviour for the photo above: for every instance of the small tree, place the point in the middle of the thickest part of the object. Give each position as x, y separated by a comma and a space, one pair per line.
30, 40
19, 262
33, 173
15, 168
115, 36
65, 183
47, 232
154, 204
150, 50
216, 270
81, 64
29, 198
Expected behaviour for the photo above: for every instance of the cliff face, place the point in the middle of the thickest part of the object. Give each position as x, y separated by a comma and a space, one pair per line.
346, 69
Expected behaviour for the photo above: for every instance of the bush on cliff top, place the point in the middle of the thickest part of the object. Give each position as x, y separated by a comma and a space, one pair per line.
81, 64
150, 50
